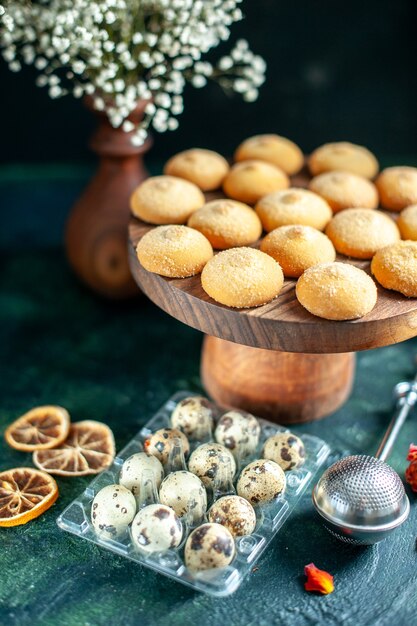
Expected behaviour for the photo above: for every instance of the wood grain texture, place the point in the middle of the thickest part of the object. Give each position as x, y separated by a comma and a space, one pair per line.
283, 386
282, 324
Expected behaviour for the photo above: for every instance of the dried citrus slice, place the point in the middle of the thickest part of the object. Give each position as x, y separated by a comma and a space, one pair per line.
88, 449
25, 493
39, 429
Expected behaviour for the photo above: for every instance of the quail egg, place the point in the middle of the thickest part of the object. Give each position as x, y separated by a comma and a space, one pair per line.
112, 510
161, 442
261, 481
285, 449
206, 460
239, 432
156, 528
133, 468
194, 417
235, 513
209, 546
181, 489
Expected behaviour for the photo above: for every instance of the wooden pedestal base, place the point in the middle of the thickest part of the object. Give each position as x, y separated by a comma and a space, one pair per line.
285, 387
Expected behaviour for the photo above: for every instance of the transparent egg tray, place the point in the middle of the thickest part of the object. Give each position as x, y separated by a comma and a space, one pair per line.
76, 518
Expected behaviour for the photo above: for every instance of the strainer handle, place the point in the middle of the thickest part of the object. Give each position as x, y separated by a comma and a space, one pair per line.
406, 394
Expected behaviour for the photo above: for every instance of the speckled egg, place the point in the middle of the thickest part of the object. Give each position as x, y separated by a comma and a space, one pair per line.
261, 481
112, 510
285, 449
133, 468
181, 489
161, 442
239, 432
209, 546
235, 513
156, 528
194, 417
206, 460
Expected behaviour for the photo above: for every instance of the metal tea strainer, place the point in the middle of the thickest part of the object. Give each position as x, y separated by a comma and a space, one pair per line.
361, 498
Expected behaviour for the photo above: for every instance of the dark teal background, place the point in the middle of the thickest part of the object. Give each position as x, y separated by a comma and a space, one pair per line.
336, 70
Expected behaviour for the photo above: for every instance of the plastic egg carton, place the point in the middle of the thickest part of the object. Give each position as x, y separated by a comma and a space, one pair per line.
270, 517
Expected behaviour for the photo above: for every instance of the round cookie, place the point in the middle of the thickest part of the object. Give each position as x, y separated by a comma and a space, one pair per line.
293, 206
407, 222
296, 248
359, 233
227, 223
166, 200
336, 291
174, 251
204, 168
242, 278
250, 180
397, 187
395, 267
274, 149
286, 449
343, 190
342, 155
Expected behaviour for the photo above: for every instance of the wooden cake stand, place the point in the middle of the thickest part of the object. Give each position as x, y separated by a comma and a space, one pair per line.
277, 361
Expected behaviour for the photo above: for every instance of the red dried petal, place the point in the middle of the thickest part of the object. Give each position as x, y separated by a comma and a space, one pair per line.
412, 452
318, 580
411, 475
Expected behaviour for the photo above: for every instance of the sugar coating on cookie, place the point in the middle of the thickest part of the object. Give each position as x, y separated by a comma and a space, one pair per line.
227, 223
397, 187
174, 251
346, 156
274, 149
293, 206
204, 168
242, 278
166, 200
359, 233
336, 291
407, 222
343, 190
395, 267
249, 180
296, 248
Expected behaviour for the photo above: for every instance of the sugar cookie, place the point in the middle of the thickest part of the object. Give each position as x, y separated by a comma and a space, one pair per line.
242, 278
344, 190
293, 206
174, 251
397, 187
274, 149
166, 200
296, 248
250, 180
345, 156
407, 222
395, 267
227, 223
204, 168
336, 291
359, 233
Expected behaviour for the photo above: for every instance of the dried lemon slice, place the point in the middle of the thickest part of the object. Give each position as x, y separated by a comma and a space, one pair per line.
88, 449
39, 429
25, 493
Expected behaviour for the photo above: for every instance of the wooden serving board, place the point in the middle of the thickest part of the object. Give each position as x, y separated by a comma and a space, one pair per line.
282, 324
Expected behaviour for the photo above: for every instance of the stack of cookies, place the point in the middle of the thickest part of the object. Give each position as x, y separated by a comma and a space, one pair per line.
304, 229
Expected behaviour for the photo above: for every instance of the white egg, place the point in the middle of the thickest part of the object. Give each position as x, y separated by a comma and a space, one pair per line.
194, 417
239, 432
133, 468
182, 489
112, 510
206, 462
156, 528
209, 546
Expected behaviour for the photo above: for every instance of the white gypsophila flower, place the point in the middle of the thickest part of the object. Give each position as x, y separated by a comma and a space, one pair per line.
121, 51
